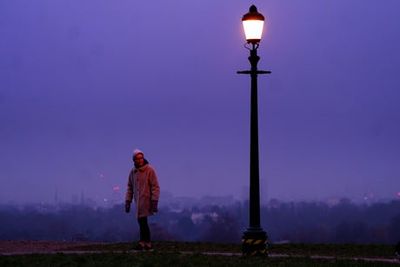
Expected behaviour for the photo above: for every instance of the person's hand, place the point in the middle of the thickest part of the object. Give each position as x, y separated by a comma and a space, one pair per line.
127, 206
154, 206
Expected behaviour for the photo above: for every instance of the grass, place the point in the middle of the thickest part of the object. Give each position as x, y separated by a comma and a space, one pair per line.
336, 250
168, 254
169, 259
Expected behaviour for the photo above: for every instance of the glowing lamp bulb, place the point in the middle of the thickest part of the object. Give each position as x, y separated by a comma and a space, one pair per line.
253, 24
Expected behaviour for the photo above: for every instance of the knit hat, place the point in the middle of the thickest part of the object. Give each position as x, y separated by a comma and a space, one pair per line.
137, 151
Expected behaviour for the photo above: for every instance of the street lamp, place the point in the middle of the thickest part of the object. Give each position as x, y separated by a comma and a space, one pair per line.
254, 239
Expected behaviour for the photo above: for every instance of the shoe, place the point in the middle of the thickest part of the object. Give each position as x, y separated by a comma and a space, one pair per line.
148, 246
139, 247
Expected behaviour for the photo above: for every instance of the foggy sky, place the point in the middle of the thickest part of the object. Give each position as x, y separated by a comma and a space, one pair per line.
84, 83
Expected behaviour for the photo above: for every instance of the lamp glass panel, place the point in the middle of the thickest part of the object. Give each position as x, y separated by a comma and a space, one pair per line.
253, 29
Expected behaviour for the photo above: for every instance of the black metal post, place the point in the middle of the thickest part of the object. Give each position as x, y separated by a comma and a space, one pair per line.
254, 161
254, 238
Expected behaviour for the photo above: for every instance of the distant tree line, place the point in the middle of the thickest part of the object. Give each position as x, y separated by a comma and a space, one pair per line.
302, 222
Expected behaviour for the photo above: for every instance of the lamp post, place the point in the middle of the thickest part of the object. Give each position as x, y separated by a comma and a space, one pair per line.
254, 238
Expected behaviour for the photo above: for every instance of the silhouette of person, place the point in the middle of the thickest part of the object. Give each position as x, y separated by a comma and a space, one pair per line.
144, 189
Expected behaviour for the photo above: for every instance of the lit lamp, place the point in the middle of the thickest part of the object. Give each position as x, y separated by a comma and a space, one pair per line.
254, 240
253, 24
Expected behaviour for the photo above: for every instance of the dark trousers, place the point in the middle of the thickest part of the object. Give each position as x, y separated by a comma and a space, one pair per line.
144, 229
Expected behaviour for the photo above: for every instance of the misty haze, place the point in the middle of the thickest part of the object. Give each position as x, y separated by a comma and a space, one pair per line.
85, 83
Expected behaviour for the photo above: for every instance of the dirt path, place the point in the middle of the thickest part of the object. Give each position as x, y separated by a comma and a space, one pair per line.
29, 247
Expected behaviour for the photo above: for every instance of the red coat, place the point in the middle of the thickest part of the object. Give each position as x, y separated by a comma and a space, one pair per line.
143, 188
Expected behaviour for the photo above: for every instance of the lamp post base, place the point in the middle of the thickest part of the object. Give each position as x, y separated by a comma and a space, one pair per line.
254, 242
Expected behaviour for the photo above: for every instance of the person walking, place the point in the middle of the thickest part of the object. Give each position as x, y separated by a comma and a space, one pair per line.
144, 189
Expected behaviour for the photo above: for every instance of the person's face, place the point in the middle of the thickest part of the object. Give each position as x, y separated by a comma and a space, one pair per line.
139, 160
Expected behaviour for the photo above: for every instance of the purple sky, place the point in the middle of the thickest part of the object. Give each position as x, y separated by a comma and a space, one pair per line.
83, 83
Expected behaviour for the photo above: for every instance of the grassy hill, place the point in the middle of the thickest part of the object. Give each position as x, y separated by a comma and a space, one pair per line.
192, 254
